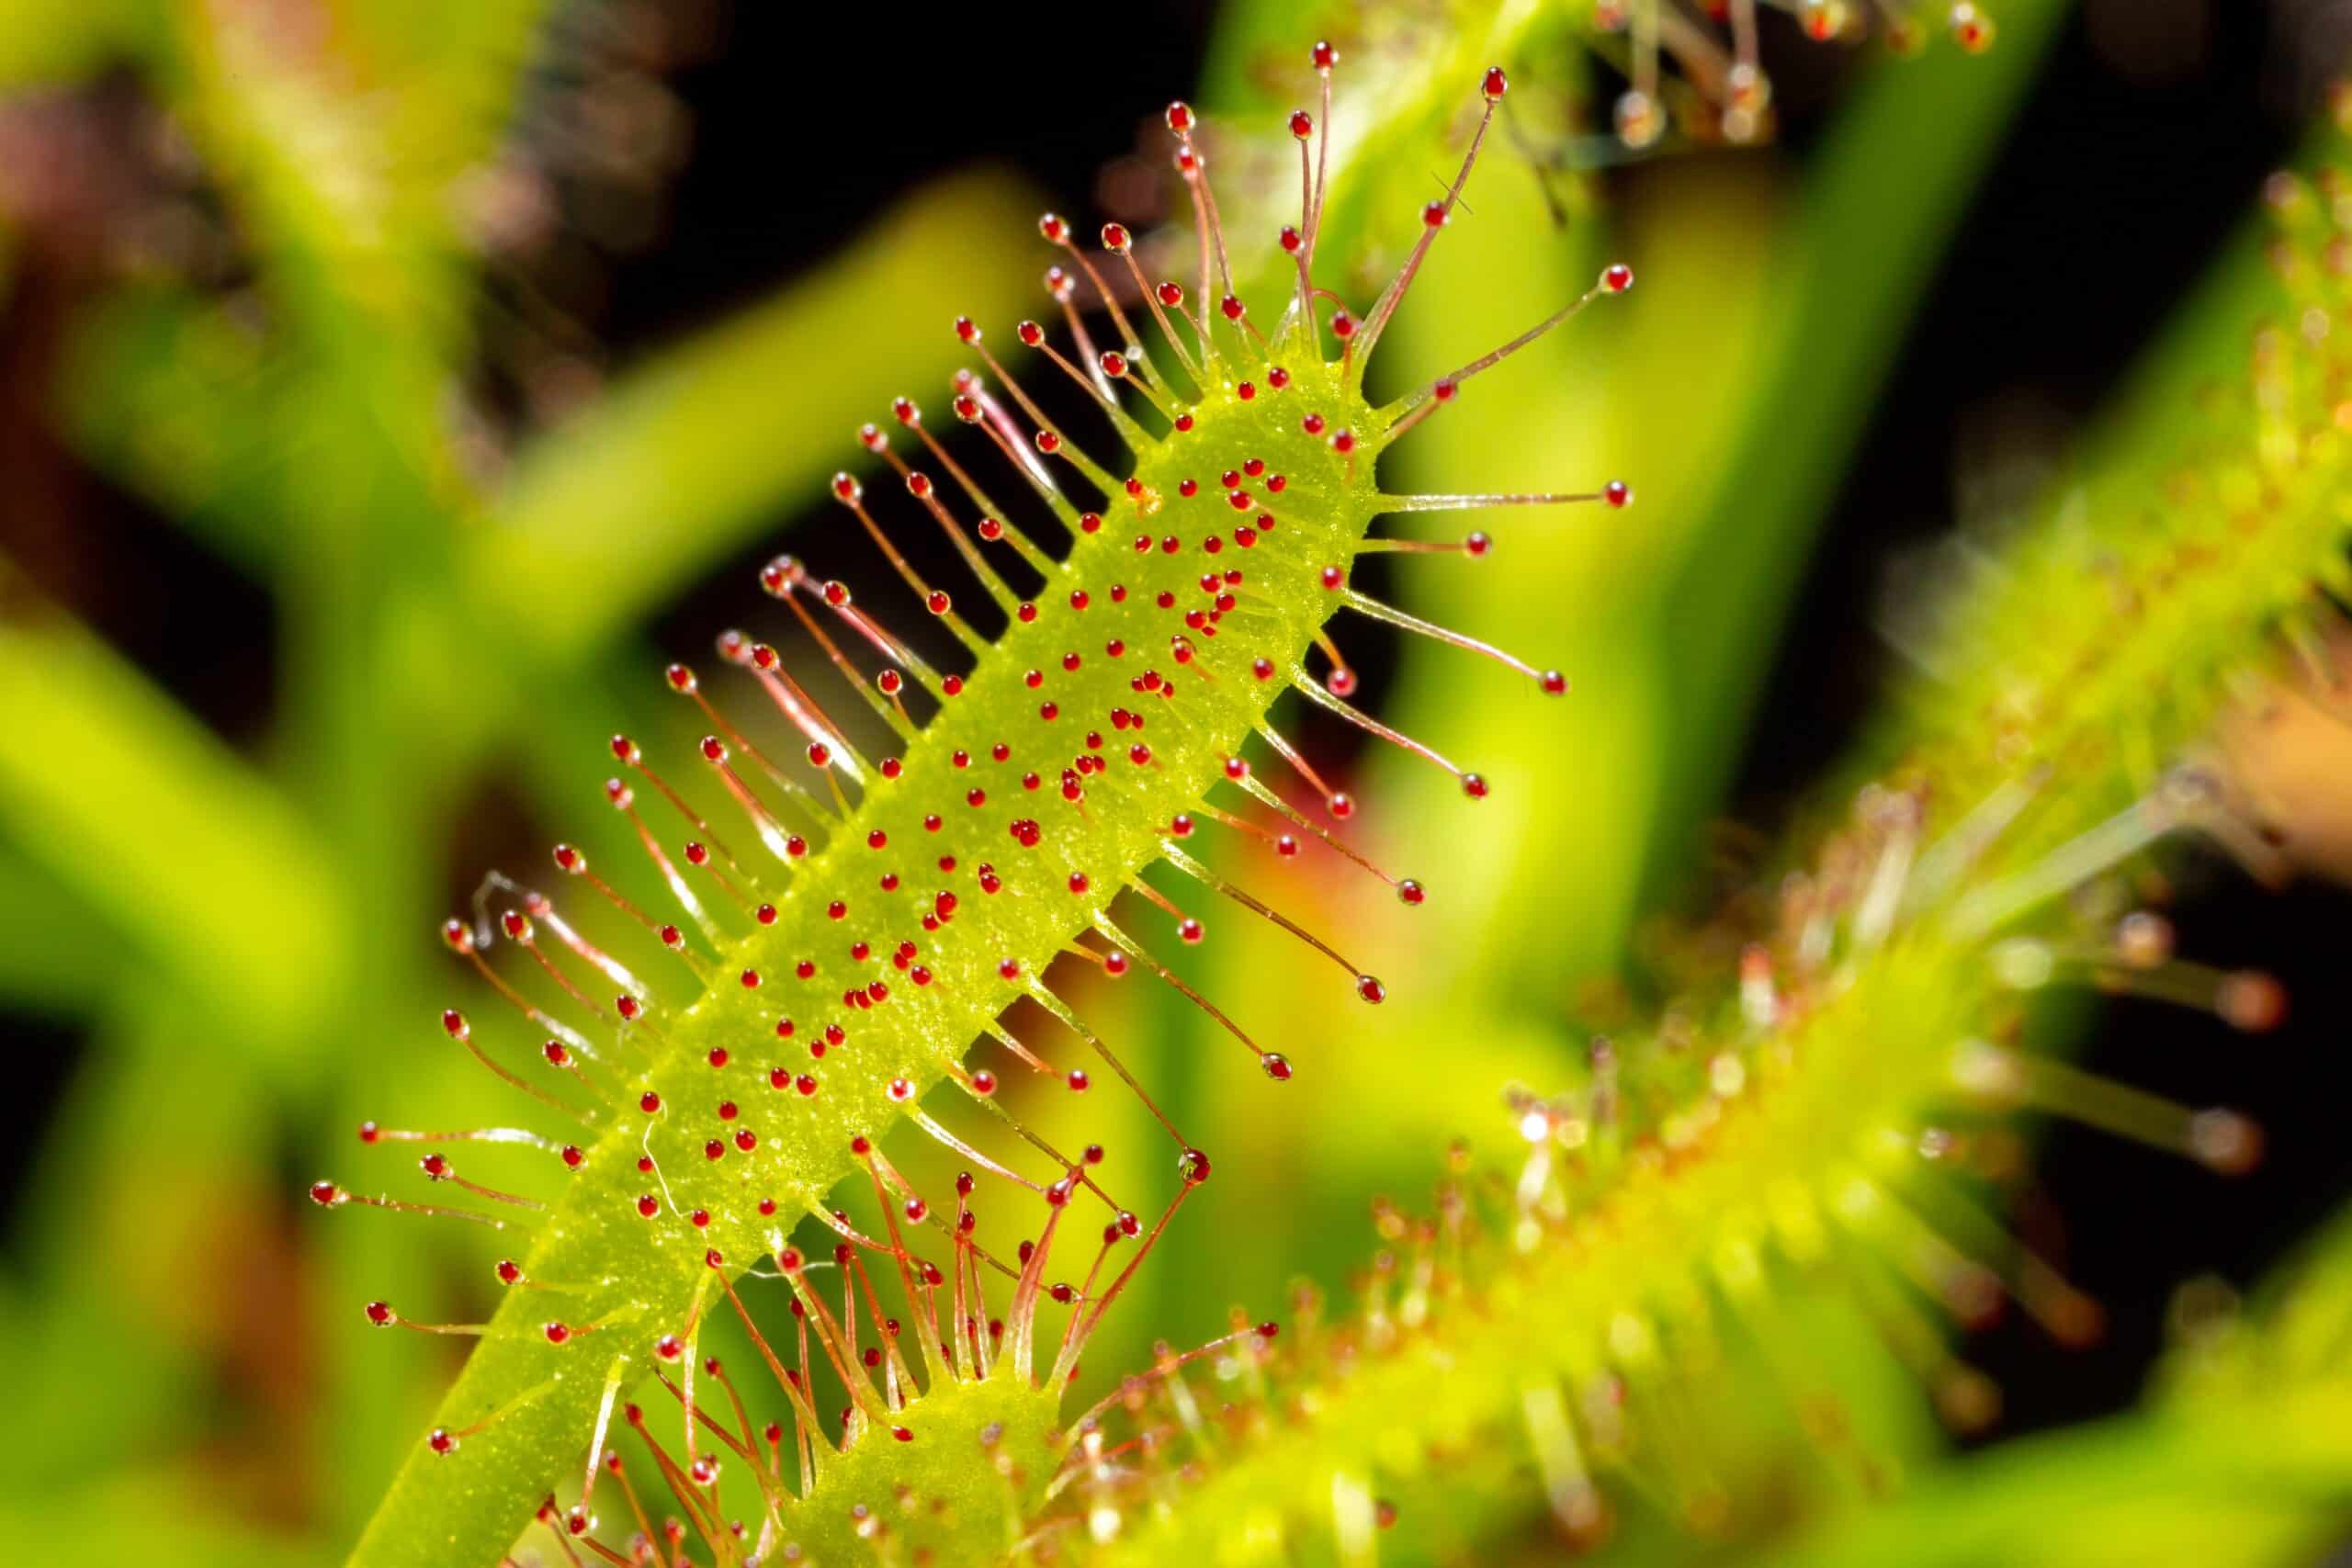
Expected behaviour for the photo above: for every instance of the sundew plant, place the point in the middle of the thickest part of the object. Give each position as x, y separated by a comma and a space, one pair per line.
1045, 900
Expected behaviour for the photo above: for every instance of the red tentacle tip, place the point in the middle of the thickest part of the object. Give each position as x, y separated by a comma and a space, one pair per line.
1494, 84
2251, 1001
1369, 988
1617, 277
1970, 29
1276, 1065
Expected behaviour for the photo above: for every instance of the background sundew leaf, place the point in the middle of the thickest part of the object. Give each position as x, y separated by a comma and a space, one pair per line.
2208, 560
2239, 1448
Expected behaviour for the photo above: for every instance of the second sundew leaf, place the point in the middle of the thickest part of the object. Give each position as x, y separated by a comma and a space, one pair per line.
1814, 1112
844, 979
